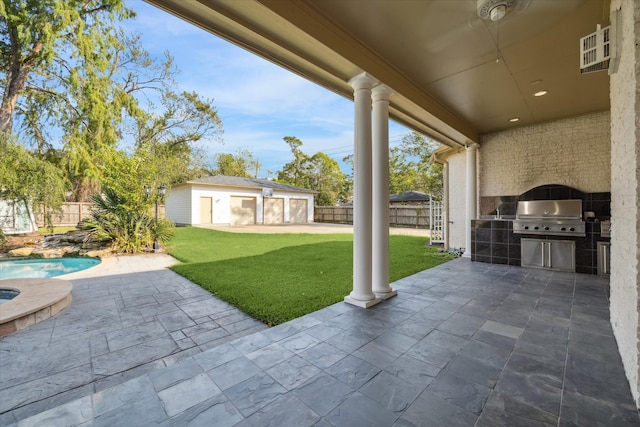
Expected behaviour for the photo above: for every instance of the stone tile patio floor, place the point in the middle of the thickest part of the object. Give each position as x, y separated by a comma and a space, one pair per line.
462, 344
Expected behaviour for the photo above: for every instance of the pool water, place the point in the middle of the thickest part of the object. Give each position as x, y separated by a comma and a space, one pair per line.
7, 295
38, 267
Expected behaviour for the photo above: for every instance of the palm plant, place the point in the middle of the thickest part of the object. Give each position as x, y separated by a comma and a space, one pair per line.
130, 229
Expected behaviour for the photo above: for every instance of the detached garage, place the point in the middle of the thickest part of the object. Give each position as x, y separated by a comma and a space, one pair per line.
238, 201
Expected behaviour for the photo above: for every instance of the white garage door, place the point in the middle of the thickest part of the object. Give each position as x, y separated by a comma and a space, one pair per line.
298, 211
243, 210
273, 210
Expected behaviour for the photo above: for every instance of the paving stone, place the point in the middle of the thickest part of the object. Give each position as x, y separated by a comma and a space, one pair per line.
350, 340
536, 390
314, 393
416, 329
413, 371
323, 355
299, 342
121, 395
502, 329
142, 412
527, 365
216, 411
135, 335
181, 371
270, 355
293, 372
428, 352
502, 411
217, 356
467, 395
175, 320
579, 410
205, 307
323, 332
377, 354
391, 392
72, 414
130, 357
445, 340
285, 410
254, 393
233, 372
42, 388
594, 378
109, 381
188, 393
488, 354
461, 325
474, 370
353, 371
212, 335
48, 403
29, 366
359, 410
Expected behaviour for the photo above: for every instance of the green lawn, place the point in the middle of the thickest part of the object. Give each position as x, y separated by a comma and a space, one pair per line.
278, 277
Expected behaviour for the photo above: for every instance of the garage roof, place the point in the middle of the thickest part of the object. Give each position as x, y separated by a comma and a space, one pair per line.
240, 182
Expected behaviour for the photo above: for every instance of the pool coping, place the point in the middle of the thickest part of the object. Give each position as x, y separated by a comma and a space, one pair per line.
39, 299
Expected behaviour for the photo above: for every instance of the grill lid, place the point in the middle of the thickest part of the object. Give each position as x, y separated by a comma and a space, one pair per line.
550, 209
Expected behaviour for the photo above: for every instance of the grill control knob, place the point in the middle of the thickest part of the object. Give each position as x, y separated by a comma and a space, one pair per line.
546, 228
562, 228
526, 227
536, 227
572, 229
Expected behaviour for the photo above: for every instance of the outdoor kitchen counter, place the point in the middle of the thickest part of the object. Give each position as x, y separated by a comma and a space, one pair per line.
493, 241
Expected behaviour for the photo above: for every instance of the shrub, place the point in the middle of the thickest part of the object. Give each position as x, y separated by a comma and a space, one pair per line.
129, 228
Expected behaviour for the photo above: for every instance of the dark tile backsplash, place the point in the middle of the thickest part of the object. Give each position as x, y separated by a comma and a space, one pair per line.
494, 242
599, 203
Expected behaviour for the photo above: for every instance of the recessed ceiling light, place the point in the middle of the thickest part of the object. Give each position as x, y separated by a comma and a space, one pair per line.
536, 82
540, 93
514, 119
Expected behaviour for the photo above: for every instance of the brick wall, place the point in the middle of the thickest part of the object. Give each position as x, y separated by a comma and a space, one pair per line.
574, 152
625, 195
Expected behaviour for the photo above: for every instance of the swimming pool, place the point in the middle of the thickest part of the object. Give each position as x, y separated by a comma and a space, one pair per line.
39, 267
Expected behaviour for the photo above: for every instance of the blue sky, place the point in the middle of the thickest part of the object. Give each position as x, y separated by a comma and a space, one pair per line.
259, 102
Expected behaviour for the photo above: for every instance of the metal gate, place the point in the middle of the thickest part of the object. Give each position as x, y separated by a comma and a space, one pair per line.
436, 222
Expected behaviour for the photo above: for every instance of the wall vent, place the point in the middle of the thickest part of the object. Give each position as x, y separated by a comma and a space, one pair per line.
600, 50
595, 51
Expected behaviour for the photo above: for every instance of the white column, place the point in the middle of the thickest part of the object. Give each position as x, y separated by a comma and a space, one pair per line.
362, 294
471, 197
380, 197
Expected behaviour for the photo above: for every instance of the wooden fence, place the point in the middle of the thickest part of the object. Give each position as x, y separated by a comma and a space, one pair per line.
72, 212
399, 216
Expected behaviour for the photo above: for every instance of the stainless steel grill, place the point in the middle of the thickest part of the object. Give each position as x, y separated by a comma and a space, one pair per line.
550, 217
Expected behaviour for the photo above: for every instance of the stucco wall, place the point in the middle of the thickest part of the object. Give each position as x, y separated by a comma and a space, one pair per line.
625, 194
457, 195
574, 152
183, 203
178, 205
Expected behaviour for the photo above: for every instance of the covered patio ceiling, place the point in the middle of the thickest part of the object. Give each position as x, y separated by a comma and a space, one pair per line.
437, 55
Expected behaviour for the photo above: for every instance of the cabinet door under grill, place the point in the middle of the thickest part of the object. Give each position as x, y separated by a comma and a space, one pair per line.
557, 255
532, 253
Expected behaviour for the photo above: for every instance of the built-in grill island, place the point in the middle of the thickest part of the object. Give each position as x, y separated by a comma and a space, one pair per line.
553, 227
549, 218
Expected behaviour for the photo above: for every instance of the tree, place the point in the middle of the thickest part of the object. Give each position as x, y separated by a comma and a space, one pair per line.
242, 164
318, 172
410, 166
45, 44
29, 179
69, 70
